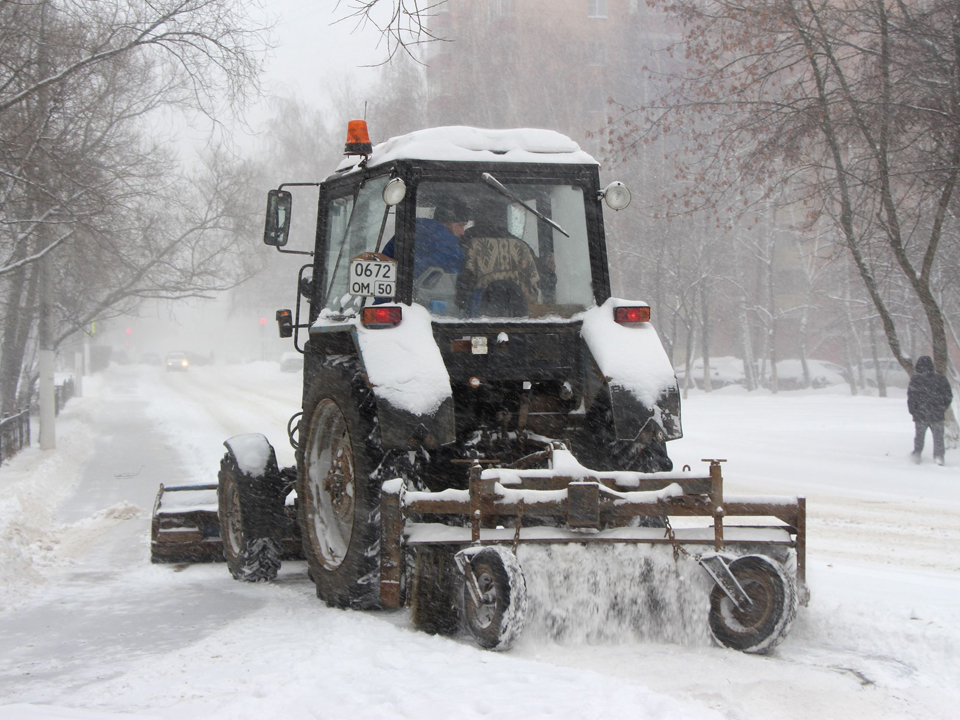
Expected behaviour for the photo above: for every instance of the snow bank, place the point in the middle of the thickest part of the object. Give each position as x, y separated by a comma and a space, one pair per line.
469, 144
631, 356
33, 484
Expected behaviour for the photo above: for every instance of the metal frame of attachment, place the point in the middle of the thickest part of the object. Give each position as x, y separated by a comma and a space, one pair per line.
595, 508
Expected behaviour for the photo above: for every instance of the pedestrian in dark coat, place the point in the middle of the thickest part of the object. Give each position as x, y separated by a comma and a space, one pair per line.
928, 397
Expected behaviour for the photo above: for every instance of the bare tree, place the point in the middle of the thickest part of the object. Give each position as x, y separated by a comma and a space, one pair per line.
403, 24
82, 185
854, 106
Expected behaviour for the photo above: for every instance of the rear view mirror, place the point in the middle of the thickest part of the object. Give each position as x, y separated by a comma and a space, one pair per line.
276, 229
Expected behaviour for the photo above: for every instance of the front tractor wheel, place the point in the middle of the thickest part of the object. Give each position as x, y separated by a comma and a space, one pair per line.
759, 627
250, 559
496, 621
339, 507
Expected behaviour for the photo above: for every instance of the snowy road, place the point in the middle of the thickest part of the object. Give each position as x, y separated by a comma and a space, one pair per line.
87, 623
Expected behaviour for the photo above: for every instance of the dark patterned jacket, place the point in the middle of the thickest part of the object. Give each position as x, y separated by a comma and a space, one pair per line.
493, 261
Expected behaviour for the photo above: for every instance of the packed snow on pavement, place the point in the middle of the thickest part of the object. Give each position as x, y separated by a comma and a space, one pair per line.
90, 629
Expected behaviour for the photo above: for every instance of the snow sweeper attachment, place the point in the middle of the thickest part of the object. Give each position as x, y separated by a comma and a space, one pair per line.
469, 574
204, 523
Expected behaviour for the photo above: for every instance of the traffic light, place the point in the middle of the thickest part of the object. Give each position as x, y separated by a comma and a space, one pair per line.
285, 323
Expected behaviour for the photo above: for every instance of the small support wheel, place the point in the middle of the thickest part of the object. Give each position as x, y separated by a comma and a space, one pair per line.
250, 559
497, 620
761, 626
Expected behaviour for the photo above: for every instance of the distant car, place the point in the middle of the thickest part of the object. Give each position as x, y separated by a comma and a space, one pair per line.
177, 362
291, 362
822, 374
151, 358
724, 370
892, 372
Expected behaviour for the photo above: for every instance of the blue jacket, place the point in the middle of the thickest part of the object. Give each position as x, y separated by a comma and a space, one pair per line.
434, 246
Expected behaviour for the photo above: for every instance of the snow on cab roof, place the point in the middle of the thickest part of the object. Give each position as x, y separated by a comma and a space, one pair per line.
469, 144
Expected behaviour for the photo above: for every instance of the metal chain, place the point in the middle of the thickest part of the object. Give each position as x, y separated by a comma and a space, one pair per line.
678, 549
516, 534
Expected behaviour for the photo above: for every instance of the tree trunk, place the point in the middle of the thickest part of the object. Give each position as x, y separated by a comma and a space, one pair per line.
772, 330
878, 372
691, 337
746, 345
17, 324
705, 338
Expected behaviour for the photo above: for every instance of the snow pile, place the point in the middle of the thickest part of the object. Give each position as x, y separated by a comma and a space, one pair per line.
33, 484
119, 511
631, 356
470, 144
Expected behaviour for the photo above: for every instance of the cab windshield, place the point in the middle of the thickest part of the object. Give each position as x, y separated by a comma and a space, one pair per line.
478, 252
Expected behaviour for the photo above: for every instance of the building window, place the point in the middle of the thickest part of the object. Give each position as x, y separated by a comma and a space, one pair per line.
497, 9
596, 53
597, 8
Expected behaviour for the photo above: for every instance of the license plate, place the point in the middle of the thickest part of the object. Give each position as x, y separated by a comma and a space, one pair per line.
373, 275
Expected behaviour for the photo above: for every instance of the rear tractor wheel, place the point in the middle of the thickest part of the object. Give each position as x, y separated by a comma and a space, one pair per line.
339, 505
762, 625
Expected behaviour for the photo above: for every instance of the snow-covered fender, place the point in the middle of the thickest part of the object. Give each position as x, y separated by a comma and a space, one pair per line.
405, 370
260, 486
638, 376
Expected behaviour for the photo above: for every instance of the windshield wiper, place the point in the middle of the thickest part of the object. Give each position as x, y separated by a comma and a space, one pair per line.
499, 187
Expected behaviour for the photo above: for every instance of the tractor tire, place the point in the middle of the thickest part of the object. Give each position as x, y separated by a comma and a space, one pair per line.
338, 490
498, 621
249, 559
436, 592
762, 626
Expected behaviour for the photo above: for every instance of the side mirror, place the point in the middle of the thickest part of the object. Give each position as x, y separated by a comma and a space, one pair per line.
276, 229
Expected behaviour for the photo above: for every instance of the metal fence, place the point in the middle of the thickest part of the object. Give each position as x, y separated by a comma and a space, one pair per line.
62, 393
15, 429
14, 433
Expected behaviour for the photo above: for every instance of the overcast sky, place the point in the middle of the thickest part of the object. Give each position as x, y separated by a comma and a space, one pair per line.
314, 54
313, 50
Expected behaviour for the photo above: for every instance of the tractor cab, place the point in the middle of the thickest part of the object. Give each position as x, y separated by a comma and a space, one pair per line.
491, 243
466, 243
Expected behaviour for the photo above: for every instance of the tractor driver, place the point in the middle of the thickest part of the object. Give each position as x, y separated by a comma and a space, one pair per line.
499, 277
437, 241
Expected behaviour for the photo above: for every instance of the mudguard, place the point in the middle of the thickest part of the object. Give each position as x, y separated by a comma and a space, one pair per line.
637, 375
404, 368
631, 417
260, 485
401, 428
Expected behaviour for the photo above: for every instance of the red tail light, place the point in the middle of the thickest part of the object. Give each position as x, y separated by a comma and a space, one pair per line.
380, 316
631, 315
